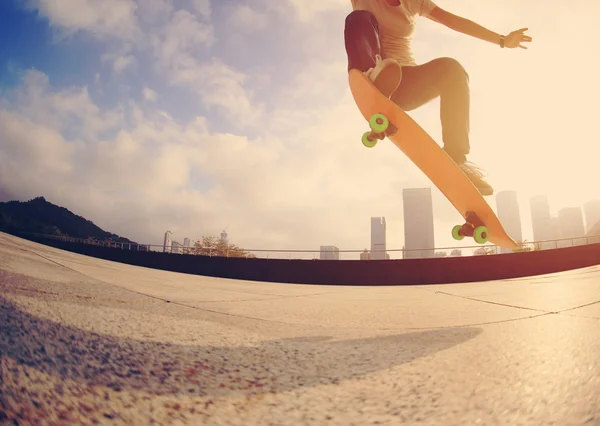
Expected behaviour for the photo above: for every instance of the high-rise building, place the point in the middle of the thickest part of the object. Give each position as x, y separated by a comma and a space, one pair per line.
419, 240
167, 243
378, 238
456, 253
186, 246
330, 253
571, 225
592, 214
540, 217
224, 236
507, 205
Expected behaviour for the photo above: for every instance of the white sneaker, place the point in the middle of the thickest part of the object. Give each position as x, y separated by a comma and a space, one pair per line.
476, 175
386, 75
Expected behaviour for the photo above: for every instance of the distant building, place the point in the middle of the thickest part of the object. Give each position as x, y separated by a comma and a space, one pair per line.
593, 235
167, 242
419, 239
545, 227
365, 255
456, 253
330, 253
441, 254
540, 217
571, 226
378, 238
592, 214
186, 242
507, 205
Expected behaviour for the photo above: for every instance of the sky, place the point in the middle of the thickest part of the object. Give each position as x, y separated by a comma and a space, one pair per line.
201, 115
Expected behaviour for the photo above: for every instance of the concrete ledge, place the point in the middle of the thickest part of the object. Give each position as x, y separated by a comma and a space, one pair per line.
352, 272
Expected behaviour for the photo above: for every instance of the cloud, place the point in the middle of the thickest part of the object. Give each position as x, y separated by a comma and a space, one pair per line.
102, 19
203, 7
149, 94
184, 177
121, 58
70, 111
247, 19
307, 10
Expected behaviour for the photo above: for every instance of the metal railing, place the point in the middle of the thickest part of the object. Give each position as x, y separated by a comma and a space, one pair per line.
441, 252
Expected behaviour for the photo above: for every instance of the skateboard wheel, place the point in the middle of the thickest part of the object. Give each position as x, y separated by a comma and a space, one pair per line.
481, 235
367, 141
379, 123
456, 233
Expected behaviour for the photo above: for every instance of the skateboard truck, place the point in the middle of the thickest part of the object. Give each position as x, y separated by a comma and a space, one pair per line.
473, 227
380, 128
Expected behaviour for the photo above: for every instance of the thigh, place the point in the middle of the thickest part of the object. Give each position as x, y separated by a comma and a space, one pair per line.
422, 83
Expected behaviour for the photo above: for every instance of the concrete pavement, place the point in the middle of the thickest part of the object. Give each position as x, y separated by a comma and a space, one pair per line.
91, 341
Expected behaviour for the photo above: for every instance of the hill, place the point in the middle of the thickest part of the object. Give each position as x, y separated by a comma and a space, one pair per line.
42, 217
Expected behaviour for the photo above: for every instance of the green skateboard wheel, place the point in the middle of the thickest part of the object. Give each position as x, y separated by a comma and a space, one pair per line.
456, 233
481, 235
367, 141
379, 123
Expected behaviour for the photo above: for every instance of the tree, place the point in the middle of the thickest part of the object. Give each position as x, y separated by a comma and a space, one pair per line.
525, 246
213, 246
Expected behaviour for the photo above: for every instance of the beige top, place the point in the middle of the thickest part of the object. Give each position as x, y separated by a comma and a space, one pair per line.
396, 25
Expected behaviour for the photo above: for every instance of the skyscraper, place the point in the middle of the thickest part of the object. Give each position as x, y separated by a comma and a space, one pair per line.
592, 214
167, 243
540, 217
378, 238
418, 223
509, 215
571, 224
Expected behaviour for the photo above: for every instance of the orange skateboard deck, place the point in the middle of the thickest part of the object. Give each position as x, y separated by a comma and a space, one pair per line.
387, 119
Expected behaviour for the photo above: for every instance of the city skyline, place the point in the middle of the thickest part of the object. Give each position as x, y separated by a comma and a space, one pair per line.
569, 223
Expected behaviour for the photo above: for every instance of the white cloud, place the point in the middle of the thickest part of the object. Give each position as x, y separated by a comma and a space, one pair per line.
244, 18
180, 37
306, 10
121, 58
203, 7
220, 87
149, 94
68, 111
106, 18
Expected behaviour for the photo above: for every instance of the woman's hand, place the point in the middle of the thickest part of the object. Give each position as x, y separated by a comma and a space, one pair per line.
516, 38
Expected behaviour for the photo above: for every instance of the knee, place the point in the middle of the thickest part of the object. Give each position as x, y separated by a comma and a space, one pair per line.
360, 17
453, 69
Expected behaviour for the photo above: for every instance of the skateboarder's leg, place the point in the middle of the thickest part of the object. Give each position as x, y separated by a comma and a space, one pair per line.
361, 34
446, 78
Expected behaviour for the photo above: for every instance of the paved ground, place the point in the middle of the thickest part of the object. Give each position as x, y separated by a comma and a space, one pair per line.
91, 341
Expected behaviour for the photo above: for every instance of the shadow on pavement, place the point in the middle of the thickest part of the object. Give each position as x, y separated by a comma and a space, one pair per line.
90, 359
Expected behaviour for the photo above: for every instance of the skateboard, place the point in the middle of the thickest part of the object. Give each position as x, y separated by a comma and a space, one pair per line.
386, 119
